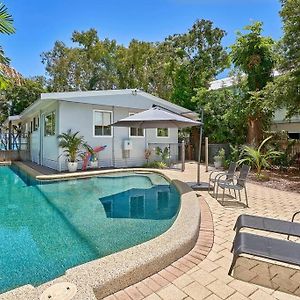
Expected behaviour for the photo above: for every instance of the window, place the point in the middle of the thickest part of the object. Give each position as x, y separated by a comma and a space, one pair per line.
49, 125
35, 123
102, 121
294, 135
162, 132
133, 131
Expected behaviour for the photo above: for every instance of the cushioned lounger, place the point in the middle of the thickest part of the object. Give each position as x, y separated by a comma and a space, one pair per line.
267, 224
265, 247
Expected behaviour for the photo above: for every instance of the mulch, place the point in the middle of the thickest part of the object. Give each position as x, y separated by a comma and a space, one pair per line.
284, 180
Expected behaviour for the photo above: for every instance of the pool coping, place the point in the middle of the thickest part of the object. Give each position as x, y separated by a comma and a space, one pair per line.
101, 277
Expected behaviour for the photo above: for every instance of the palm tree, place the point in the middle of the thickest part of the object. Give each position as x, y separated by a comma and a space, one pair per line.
71, 143
258, 158
6, 27
6, 21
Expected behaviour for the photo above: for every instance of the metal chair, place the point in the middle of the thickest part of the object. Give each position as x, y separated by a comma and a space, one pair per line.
238, 186
217, 178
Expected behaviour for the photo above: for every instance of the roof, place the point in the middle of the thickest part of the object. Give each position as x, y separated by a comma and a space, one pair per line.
13, 119
222, 83
130, 99
230, 81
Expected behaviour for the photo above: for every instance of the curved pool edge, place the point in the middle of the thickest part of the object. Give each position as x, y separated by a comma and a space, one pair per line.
101, 277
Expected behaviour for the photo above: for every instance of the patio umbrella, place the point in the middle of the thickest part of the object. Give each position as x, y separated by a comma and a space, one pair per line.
157, 117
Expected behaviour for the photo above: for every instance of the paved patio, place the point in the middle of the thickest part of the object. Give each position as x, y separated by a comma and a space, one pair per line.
208, 279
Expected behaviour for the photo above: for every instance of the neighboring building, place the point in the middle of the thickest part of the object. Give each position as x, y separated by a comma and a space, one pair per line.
280, 123
91, 113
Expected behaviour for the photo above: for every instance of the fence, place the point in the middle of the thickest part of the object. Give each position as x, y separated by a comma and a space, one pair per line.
12, 155
293, 150
172, 153
14, 141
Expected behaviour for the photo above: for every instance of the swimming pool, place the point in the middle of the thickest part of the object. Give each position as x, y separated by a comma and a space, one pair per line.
48, 228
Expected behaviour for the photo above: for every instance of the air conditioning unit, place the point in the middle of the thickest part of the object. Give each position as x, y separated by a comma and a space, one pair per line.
127, 145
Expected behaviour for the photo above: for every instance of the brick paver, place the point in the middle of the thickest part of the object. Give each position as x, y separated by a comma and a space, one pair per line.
202, 274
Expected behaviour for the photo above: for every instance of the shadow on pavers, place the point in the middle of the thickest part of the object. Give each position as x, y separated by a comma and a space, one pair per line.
266, 274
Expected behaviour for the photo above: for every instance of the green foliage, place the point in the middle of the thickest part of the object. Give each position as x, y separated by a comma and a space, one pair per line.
91, 151
6, 20
285, 90
233, 155
258, 158
164, 154
6, 27
171, 69
72, 144
225, 116
220, 155
290, 14
155, 165
17, 97
254, 55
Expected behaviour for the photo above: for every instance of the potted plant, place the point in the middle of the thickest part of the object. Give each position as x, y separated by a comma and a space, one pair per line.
219, 158
93, 156
71, 143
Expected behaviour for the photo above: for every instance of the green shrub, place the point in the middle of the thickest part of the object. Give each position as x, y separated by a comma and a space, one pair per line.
155, 165
257, 158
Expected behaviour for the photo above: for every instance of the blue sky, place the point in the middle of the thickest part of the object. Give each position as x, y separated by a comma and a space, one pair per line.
39, 23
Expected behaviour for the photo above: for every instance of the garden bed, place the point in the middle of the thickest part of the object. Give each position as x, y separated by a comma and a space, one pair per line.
288, 180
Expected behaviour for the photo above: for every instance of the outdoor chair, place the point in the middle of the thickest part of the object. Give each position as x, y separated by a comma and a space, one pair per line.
222, 176
238, 186
289, 228
265, 247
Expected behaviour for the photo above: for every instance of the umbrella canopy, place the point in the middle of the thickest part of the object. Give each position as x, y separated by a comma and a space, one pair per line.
156, 118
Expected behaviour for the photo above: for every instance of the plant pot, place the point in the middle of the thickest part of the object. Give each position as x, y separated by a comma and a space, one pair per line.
94, 164
72, 166
218, 164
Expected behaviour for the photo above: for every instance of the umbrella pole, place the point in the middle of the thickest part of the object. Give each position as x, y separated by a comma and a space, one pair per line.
200, 185
199, 154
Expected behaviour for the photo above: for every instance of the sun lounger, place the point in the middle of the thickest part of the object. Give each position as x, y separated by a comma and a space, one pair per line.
265, 247
268, 224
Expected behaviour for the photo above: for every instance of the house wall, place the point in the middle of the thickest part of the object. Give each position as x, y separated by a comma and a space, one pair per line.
43, 149
49, 145
79, 117
280, 123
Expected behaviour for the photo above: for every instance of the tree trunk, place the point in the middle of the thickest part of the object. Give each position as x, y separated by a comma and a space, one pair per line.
255, 133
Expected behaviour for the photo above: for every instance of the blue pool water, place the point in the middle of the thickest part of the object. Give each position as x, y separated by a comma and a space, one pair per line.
48, 228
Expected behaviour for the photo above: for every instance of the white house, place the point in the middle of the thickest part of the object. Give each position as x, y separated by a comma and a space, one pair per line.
91, 113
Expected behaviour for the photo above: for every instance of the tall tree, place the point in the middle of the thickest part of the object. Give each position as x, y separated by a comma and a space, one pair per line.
253, 54
171, 69
285, 90
197, 57
19, 96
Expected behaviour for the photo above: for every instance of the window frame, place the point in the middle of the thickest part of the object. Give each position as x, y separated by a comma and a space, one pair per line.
55, 121
164, 137
129, 129
94, 124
